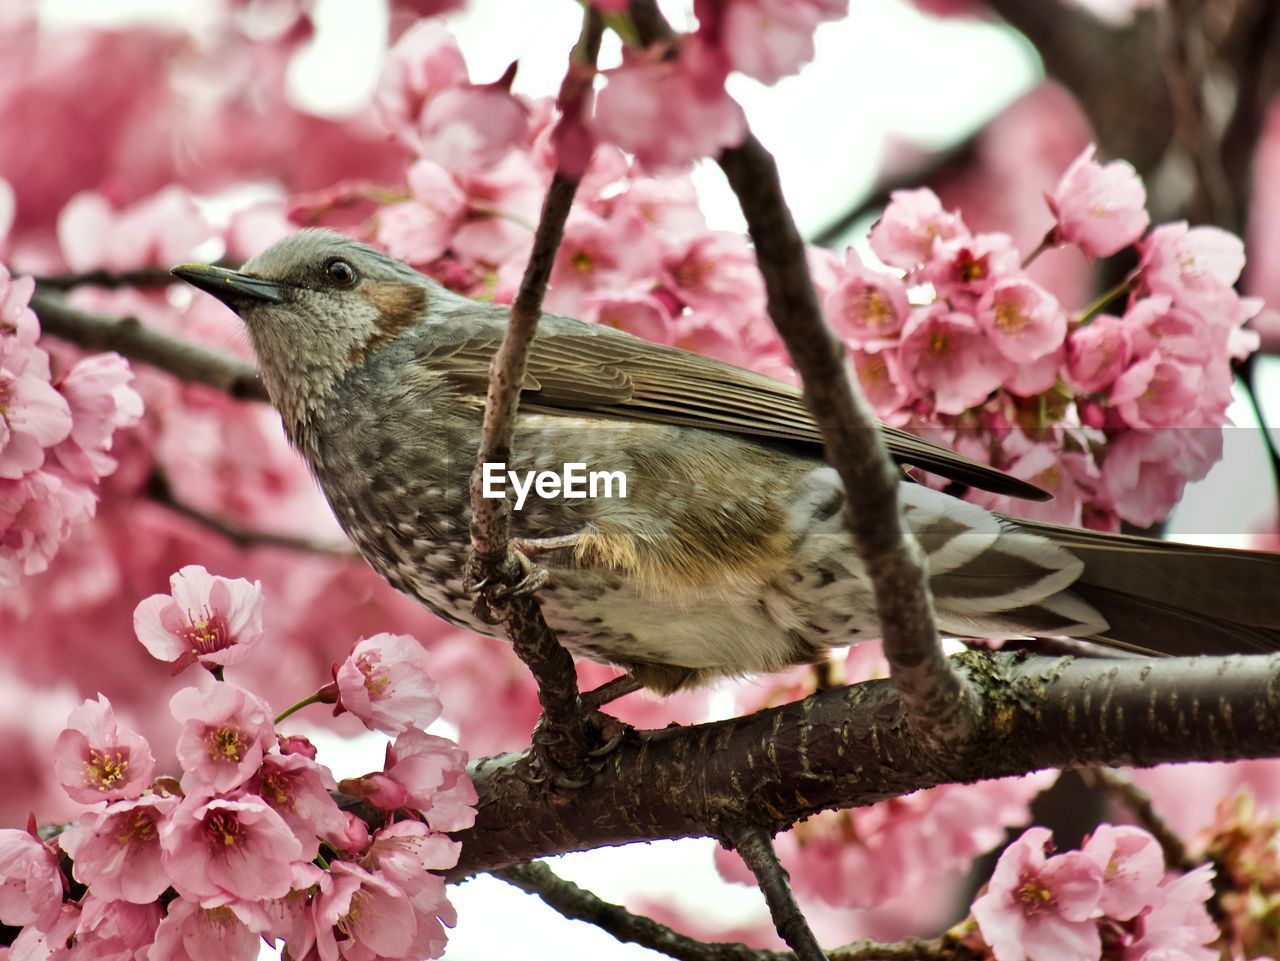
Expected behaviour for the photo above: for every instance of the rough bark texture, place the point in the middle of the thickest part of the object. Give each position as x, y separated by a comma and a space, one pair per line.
852, 746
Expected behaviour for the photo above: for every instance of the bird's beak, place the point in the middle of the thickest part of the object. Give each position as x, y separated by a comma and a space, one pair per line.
229, 286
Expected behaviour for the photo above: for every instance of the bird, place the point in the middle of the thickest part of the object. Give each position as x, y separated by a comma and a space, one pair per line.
728, 556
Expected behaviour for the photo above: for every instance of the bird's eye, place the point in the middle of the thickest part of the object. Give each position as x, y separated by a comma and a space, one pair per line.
340, 272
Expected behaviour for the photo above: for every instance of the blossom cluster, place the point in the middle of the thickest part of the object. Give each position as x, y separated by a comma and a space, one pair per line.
244, 840
1113, 895
1113, 413
56, 432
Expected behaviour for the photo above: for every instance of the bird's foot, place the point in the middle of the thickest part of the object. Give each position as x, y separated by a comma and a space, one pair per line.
533, 546
570, 760
493, 590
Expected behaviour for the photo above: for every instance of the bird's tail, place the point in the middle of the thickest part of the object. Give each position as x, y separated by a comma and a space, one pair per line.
1160, 597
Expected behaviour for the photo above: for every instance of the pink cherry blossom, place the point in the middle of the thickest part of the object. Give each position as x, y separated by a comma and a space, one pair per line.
205, 618
97, 760
881, 379
217, 849
425, 773
1191, 264
717, 271
1145, 471
117, 851
1097, 353
225, 731
1022, 319
1039, 908
33, 417
634, 309
48, 942
19, 328
287, 918
1158, 392
910, 227
116, 929
965, 268
1178, 925
101, 402
668, 113
1100, 209
296, 744
385, 683
410, 856
297, 788
945, 355
867, 306
770, 39
359, 914
1132, 866
30, 881
421, 229
192, 933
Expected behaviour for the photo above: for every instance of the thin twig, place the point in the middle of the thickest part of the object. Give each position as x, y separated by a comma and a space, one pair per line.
937, 693
939, 697
563, 731
573, 902
578, 904
135, 340
754, 845
159, 490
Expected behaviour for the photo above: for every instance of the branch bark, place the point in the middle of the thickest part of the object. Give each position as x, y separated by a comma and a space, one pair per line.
854, 746
938, 696
755, 846
133, 339
563, 732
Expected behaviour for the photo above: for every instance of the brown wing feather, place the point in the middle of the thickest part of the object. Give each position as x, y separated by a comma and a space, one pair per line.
581, 367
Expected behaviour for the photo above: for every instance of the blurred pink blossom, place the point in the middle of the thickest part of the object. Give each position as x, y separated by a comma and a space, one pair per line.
1100, 209
946, 357
30, 881
1097, 353
101, 402
770, 39
1023, 320
161, 230
669, 113
911, 225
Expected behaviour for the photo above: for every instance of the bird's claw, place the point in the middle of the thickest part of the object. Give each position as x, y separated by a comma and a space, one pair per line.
491, 591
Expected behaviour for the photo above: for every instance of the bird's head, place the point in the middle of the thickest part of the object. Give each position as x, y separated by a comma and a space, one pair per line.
316, 305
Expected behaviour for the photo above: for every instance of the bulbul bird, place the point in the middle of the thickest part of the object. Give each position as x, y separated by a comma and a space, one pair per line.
728, 554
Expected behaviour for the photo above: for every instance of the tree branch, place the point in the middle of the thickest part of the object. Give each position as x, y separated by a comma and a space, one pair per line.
938, 696
563, 732
579, 904
853, 746
133, 339
754, 845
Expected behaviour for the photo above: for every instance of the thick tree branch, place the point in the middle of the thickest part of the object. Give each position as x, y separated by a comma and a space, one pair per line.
133, 339
563, 732
853, 746
579, 904
754, 845
937, 695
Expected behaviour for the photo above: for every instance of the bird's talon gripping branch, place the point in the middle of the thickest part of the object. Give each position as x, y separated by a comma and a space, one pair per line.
533, 578
533, 546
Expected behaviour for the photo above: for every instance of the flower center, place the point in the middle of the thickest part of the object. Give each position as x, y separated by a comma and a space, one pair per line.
1034, 897
872, 308
222, 827
226, 745
106, 770
207, 633
138, 832
1009, 318
582, 262
376, 678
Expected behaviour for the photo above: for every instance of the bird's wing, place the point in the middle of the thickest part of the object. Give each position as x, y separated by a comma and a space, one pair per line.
580, 367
